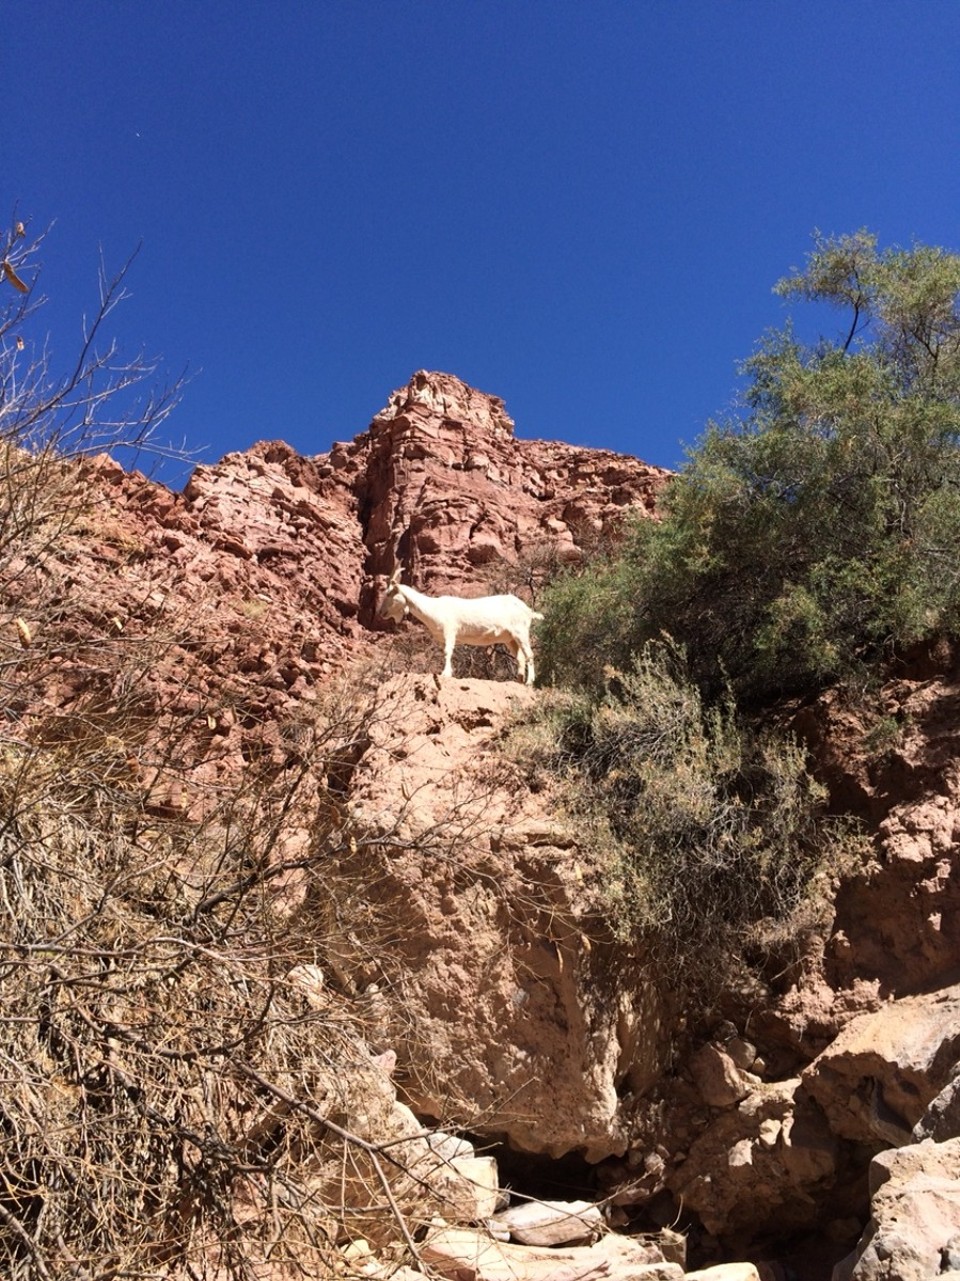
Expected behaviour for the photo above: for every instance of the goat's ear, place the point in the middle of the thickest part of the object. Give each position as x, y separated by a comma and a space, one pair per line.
395, 576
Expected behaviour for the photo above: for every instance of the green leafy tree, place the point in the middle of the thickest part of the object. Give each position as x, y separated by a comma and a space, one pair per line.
820, 530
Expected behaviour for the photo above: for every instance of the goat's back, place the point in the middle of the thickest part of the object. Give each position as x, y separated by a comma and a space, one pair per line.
484, 609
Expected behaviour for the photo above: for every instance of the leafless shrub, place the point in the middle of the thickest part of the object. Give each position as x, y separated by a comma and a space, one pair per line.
527, 574
172, 1102
539, 564
171, 1098
411, 649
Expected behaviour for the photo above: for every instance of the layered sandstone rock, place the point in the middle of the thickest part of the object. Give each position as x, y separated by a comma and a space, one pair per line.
246, 592
295, 547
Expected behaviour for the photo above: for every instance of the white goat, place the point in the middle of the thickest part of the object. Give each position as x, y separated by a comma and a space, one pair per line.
456, 620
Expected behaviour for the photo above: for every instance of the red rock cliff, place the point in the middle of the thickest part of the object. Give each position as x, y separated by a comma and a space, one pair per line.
438, 483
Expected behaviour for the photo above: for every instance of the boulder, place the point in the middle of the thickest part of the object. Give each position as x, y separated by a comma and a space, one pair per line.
720, 1082
550, 1222
765, 1165
464, 1255
725, 1272
379, 1138
941, 1120
448, 1146
914, 1228
876, 1080
467, 1187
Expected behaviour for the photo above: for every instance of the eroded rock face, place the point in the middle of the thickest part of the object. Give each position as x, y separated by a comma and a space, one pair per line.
897, 927
870, 1024
878, 1077
438, 483
941, 1121
511, 1011
249, 590
452, 495
765, 1164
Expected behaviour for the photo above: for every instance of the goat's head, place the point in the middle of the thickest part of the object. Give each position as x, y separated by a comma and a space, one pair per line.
393, 605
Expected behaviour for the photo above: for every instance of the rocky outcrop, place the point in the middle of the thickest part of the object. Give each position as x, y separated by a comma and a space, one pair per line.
448, 491
459, 912
275, 559
510, 1008
897, 924
878, 1077
765, 1164
249, 590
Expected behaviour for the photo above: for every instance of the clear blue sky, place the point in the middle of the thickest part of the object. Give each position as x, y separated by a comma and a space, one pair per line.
579, 206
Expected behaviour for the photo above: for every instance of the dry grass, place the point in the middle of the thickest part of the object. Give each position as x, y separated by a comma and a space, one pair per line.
150, 1039
174, 1099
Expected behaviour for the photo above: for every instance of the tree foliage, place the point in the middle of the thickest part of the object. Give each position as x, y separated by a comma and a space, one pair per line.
820, 529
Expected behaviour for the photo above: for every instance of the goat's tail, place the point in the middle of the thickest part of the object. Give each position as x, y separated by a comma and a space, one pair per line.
536, 615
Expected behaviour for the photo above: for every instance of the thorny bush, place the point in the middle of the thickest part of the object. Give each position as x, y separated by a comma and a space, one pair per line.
169, 1090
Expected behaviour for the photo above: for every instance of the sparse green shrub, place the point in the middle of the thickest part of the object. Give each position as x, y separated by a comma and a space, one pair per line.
714, 830
883, 736
590, 615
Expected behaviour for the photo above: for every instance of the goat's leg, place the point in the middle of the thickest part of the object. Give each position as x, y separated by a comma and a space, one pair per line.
521, 658
449, 640
512, 646
526, 661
